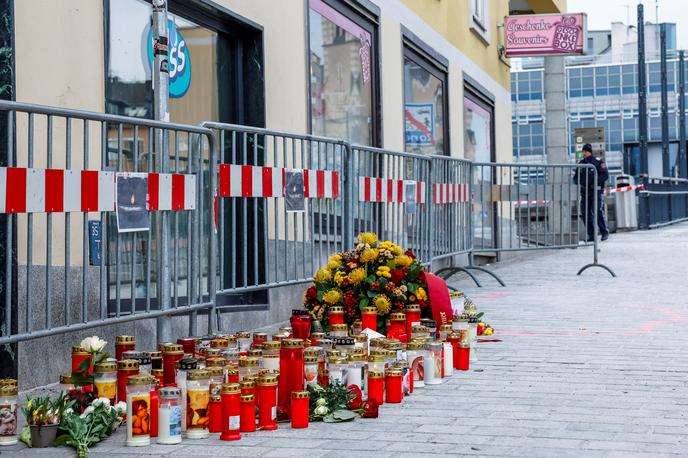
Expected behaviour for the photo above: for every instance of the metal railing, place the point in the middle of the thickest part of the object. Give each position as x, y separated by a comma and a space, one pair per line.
662, 201
268, 208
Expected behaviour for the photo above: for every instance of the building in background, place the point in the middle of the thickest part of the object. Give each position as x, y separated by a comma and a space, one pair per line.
601, 91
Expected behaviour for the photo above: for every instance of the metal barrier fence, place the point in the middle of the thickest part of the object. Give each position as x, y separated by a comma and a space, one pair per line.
237, 210
663, 201
61, 195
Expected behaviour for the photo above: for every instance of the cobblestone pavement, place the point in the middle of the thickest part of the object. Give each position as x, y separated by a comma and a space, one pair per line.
586, 366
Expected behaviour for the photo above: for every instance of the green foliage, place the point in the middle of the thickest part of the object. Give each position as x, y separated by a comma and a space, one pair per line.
335, 398
83, 431
82, 377
46, 411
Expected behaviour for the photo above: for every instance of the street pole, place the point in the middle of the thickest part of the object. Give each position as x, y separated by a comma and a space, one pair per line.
644, 210
666, 166
682, 159
161, 84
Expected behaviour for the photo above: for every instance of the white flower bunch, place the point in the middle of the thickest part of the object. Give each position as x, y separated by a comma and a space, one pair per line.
93, 344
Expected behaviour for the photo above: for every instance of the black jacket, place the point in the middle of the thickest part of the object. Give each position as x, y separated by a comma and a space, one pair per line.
586, 177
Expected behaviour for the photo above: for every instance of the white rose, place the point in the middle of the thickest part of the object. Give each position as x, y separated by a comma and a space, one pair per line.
321, 410
101, 401
87, 411
93, 344
121, 407
68, 411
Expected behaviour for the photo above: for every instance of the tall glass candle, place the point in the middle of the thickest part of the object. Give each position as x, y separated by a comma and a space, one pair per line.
299, 409
448, 359
300, 323
244, 340
189, 344
267, 401
464, 356
232, 375
460, 322
184, 366
125, 369
291, 369
138, 410
154, 406
415, 354
397, 327
310, 370
271, 347
231, 412
219, 342
335, 315
369, 318
412, 317
66, 384
105, 380
215, 413
248, 413
122, 344
315, 336
406, 376
169, 416
248, 366
431, 325
419, 331
473, 337
337, 367
376, 386
432, 363
197, 399
9, 413
156, 359
356, 370
393, 386
170, 355
445, 330
339, 330
231, 356
78, 356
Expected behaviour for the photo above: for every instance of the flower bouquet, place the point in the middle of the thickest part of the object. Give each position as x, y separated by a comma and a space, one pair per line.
98, 421
43, 415
378, 274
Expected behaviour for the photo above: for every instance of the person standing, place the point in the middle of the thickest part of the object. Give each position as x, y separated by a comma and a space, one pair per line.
586, 181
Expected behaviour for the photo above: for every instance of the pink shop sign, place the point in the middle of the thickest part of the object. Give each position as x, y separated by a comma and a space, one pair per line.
545, 34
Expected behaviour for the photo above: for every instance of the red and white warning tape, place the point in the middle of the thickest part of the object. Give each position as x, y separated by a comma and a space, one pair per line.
624, 189
447, 193
257, 181
531, 202
29, 190
371, 189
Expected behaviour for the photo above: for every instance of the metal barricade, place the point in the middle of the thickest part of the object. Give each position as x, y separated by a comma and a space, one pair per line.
389, 196
261, 174
534, 207
663, 201
66, 180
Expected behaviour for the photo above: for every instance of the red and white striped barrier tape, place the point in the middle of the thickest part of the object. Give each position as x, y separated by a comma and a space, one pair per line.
371, 189
531, 202
447, 193
30, 190
258, 181
624, 189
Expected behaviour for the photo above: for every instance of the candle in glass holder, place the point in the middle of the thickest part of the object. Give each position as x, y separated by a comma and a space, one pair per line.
337, 367
445, 330
287, 330
66, 384
300, 323
420, 331
299, 409
189, 344
155, 358
154, 407
375, 386
258, 339
345, 345
460, 322
122, 344
215, 414
406, 377
270, 362
231, 356
448, 359
271, 347
231, 412
125, 369
393, 386
248, 413
248, 366
158, 374
356, 327
248, 387
197, 399
105, 380
464, 356
397, 327
432, 363
219, 342
431, 325
169, 416
244, 341
335, 315
473, 336
339, 330
315, 336
10, 412
138, 410
170, 356
356, 370
291, 369
267, 401
369, 318
412, 317
78, 356
310, 370
231, 374
415, 354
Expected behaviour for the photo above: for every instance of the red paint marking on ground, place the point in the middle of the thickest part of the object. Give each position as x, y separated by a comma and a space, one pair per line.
492, 296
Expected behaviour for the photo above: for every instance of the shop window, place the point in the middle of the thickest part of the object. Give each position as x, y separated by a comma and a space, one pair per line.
425, 105
342, 73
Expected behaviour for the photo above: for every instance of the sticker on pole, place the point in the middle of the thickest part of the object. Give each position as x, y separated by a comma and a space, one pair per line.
178, 62
294, 194
130, 202
419, 120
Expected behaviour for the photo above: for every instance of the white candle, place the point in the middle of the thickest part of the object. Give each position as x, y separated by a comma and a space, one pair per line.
169, 425
137, 440
448, 359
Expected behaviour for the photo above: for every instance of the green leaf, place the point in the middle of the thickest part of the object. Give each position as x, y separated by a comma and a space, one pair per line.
370, 279
480, 315
371, 294
330, 419
344, 414
85, 365
364, 302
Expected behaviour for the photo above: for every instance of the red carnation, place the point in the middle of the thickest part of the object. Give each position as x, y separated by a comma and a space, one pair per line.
410, 254
421, 277
311, 293
357, 399
370, 408
397, 275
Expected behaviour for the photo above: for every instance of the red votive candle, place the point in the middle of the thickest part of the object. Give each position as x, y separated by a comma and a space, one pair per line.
231, 412
291, 369
188, 344
267, 403
170, 355
125, 368
376, 383
336, 315
122, 344
411, 378
454, 339
397, 327
248, 413
78, 356
369, 318
464, 356
258, 339
300, 323
412, 317
215, 414
248, 387
299, 409
232, 375
154, 405
393, 390
315, 336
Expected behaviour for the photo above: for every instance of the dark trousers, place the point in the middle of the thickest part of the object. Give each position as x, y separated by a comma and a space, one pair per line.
588, 212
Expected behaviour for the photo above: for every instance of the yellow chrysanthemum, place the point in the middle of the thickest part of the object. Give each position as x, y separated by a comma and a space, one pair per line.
323, 275
339, 277
383, 271
403, 260
397, 251
421, 294
357, 275
369, 255
387, 245
334, 262
332, 296
382, 304
367, 237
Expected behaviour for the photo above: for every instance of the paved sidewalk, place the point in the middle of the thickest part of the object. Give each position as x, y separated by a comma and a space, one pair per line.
587, 366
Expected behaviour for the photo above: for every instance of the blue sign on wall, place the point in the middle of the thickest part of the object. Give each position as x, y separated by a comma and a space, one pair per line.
179, 60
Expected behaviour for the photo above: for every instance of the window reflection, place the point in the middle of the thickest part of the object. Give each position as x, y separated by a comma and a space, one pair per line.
423, 110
